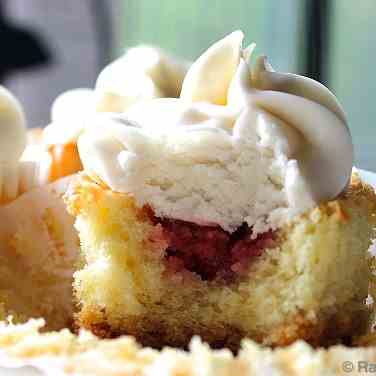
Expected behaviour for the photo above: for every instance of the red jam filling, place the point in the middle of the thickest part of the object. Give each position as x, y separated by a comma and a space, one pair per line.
211, 252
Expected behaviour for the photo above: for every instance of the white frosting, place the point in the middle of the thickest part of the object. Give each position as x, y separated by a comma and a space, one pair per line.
238, 146
142, 73
69, 112
12, 128
209, 78
18, 171
326, 159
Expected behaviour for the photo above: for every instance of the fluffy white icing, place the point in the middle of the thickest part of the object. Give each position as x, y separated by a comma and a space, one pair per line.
12, 128
142, 73
18, 171
202, 82
238, 146
69, 112
69, 115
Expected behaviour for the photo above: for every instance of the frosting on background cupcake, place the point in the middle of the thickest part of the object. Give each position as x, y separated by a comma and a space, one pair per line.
141, 74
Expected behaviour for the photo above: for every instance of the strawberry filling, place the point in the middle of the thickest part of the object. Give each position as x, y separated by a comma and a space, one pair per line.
211, 252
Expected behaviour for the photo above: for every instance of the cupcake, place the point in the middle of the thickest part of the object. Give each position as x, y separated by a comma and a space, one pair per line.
228, 212
38, 253
38, 243
18, 171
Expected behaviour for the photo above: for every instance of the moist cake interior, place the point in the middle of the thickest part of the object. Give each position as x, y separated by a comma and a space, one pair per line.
148, 277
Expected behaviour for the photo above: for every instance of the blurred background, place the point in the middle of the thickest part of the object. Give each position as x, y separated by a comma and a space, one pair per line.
50, 46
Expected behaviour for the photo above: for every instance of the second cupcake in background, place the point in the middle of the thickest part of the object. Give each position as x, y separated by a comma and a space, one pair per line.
38, 243
141, 74
37, 238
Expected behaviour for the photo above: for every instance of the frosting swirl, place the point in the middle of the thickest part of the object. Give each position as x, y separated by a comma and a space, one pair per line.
17, 173
142, 73
239, 145
326, 158
69, 113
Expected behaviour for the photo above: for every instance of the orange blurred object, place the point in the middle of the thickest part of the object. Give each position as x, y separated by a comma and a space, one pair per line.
65, 160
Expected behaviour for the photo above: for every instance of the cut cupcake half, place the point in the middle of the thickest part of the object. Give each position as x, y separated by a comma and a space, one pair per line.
164, 281
225, 213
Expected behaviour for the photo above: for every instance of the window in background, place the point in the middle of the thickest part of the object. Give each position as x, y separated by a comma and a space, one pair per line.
187, 28
352, 73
